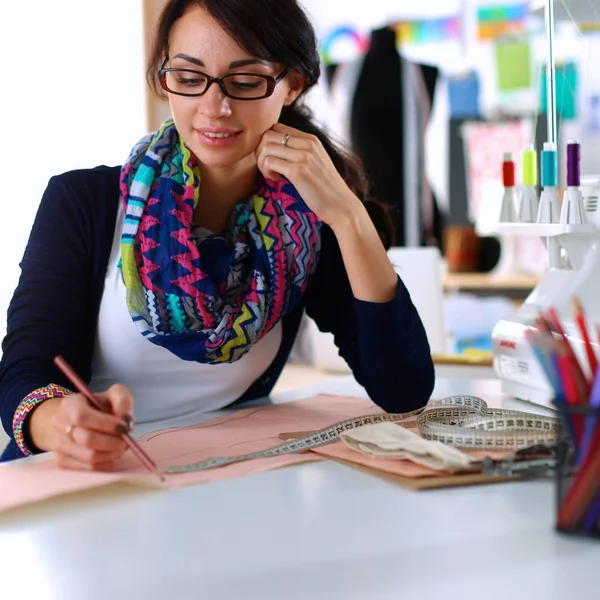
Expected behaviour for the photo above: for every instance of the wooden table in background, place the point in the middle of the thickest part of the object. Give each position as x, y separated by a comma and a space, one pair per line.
517, 287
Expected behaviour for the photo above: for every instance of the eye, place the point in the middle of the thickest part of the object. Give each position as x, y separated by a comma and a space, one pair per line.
247, 82
189, 79
181, 80
246, 86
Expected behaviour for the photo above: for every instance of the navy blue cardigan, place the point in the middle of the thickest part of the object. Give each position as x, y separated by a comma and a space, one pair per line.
55, 307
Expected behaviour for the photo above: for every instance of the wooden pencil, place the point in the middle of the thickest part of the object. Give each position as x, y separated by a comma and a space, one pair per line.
580, 321
81, 386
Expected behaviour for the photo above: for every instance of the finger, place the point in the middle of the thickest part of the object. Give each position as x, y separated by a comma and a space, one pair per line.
78, 412
279, 166
88, 438
65, 461
120, 400
286, 129
268, 173
98, 442
66, 446
278, 138
279, 151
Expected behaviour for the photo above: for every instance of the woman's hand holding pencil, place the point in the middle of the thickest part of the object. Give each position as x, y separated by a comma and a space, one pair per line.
81, 436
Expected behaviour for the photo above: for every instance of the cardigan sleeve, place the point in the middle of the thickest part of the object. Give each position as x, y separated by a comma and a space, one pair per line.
51, 311
384, 344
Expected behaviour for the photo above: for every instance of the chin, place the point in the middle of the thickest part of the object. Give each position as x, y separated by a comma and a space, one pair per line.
223, 158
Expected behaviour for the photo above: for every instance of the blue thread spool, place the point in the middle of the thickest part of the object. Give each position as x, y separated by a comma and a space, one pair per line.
549, 165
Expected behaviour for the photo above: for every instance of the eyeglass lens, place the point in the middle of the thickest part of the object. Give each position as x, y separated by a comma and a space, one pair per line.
237, 86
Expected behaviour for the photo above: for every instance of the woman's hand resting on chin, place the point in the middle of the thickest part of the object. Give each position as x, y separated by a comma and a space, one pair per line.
301, 158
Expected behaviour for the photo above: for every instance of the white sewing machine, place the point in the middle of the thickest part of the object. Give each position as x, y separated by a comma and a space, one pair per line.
574, 269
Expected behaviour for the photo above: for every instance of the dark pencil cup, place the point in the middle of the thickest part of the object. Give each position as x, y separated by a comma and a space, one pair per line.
568, 471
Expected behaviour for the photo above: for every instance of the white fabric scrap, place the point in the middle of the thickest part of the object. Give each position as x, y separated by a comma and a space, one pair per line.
389, 440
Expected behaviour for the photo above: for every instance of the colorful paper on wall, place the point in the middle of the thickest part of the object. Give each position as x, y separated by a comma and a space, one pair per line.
485, 144
513, 65
566, 91
463, 93
496, 20
428, 31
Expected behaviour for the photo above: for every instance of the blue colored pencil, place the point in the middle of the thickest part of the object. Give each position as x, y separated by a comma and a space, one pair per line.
590, 520
544, 348
591, 422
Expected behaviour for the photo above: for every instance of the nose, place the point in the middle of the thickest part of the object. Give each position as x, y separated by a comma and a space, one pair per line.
214, 103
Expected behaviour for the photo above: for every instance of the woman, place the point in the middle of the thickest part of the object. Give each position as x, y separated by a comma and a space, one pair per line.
179, 279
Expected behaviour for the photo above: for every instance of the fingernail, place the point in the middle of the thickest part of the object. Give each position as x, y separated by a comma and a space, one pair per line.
121, 429
129, 422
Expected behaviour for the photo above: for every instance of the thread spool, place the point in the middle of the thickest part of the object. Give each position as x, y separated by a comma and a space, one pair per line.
573, 164
549, 165
508, 170
530, 167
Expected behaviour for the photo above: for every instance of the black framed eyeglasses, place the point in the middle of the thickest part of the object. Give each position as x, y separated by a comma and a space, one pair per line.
237, 86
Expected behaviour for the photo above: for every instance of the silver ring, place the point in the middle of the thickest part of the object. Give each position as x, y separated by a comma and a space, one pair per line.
69, 431
285, 140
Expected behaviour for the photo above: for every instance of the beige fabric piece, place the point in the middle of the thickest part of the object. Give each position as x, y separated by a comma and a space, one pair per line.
388, 440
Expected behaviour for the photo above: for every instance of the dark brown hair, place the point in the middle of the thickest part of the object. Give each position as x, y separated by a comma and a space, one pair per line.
278, 31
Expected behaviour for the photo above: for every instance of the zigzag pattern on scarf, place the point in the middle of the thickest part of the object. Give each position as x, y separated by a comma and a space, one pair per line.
208, 298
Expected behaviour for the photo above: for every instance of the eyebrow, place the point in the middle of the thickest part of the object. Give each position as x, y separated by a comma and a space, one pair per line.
234, 65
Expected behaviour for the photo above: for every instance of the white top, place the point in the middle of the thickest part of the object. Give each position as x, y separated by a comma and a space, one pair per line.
163, 385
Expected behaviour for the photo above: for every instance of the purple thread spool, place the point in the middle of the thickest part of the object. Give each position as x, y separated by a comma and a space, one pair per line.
573, 164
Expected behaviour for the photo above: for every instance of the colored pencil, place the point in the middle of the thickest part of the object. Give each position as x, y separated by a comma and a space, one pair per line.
555, 321
583, 491
591, 518
582, 326
542, 348
62, 364
574, 393
591, 422
571, 390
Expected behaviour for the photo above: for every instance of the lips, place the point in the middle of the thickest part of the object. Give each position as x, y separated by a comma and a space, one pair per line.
217, 137
217, 132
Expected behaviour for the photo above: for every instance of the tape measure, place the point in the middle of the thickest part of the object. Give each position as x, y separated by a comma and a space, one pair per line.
461, 421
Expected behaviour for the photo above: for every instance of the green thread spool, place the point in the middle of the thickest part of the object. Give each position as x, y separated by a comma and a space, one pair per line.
530, 168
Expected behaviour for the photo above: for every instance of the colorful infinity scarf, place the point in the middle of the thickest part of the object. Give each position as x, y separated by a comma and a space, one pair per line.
207, 297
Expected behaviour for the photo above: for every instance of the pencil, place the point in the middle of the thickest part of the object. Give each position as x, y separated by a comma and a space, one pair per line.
579, 376
62, 364
591, 518
542, 350
572, 391
591, 421
582, 326
581, 494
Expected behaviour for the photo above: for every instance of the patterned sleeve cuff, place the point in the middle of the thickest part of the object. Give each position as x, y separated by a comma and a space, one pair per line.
28, 404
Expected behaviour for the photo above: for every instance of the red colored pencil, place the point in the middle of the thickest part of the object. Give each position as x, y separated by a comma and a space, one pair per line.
582, 326
62, 364
571, 390
556, 324
584, 489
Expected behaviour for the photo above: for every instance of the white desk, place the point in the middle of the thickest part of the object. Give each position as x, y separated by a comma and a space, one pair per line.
311, 531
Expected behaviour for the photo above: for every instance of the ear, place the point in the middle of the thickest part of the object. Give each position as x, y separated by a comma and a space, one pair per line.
295, 83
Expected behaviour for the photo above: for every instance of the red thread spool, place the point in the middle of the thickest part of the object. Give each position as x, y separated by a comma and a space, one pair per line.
508, 170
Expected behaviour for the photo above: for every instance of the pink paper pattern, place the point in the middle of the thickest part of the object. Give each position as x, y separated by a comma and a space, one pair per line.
241, 432
247, 430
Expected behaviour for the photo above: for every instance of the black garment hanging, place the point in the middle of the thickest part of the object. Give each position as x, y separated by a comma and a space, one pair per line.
387, 94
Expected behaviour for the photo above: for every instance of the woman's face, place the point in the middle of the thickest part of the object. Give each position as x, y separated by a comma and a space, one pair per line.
221, 131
